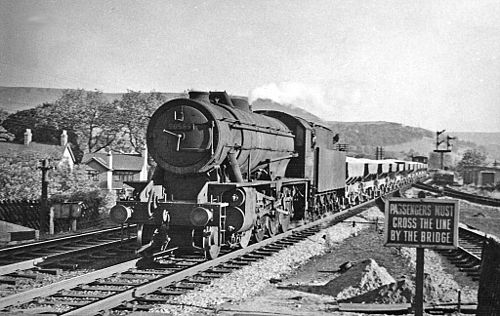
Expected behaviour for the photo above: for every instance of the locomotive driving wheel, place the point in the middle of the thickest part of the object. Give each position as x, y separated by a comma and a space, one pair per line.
211, 242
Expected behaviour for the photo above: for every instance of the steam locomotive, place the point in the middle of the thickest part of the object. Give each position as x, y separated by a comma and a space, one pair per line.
227, 175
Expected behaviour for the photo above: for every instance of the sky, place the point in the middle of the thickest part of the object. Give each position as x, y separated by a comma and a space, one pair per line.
423, 63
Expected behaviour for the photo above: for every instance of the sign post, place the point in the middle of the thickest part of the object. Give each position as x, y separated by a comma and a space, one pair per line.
421, 223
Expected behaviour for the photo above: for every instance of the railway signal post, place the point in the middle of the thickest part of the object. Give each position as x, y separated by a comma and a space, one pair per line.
421, 223
439, 142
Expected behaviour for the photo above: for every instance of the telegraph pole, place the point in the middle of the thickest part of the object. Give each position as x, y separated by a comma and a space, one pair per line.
44, 212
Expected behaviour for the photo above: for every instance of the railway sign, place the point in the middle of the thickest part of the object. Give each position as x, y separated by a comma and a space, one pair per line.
421, 223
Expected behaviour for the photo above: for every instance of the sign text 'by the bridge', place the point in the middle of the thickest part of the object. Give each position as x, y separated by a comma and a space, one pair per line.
426, 223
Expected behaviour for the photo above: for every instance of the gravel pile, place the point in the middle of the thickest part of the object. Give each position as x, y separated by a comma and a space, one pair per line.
361, 277
372, 277
252, 279
440, 285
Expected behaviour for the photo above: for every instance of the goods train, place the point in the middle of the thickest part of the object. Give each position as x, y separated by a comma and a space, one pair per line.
227, 175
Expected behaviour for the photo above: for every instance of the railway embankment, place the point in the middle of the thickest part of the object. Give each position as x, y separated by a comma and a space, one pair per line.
310, 278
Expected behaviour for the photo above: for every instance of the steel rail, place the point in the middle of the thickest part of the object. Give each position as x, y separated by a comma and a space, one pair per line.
135, 292
138, 291
57, 240
27, 296
34, 262
50, 247
483, 200
464, 257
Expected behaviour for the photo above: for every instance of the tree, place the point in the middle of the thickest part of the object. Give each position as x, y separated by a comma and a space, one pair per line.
21, 179
135, 109
87, 114
471, 157
3, 115
18, 122
71, 185
5, 136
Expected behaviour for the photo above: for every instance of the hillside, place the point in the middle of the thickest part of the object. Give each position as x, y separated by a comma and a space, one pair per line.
489, 142
363, 137
13, 99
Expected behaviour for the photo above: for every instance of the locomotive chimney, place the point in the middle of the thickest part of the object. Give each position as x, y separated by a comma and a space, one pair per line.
27, 137
199, 96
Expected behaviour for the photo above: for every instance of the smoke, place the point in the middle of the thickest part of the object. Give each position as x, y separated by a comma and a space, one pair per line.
309, 97
331, 102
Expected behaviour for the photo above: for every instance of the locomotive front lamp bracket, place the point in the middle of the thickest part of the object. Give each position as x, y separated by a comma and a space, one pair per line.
179, 138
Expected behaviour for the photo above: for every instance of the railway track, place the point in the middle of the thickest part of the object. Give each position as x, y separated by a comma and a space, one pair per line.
51, 252
458, 194
467, 257
125, 287
27, 271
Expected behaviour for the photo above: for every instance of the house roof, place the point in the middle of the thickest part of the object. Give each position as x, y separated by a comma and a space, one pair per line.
123, 162
8, 149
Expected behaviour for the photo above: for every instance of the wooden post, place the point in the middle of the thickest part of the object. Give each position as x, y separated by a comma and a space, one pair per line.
73, 224
51, 222
44, 212
419, 285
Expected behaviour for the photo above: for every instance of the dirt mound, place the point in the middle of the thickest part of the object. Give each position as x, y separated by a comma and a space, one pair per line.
364, 276
402, 291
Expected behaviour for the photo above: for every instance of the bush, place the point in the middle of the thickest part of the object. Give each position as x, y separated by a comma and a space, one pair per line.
21, 179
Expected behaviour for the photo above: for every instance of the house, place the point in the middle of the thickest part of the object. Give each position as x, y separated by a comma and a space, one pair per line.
482, 176
111, 170
62, 152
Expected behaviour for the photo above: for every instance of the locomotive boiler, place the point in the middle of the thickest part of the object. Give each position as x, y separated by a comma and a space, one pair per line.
220, 177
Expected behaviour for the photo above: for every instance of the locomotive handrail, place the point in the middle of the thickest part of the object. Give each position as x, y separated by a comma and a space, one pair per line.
268, 161
261, 129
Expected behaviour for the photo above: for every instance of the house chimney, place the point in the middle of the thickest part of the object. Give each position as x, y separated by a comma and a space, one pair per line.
27, 137
64, 138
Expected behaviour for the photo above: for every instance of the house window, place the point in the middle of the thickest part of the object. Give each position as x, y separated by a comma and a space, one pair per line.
124, 176
93, 175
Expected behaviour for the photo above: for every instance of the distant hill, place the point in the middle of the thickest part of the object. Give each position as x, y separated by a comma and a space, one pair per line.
484, 139
490, 142
13, 99
364, 137
397, 139
266, 104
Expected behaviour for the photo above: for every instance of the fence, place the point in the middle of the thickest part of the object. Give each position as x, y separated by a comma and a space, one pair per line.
27, 213
489, 283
